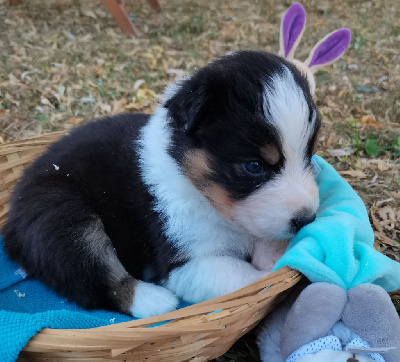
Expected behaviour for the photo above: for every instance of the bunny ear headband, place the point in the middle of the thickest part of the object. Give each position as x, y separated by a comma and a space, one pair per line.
326, 51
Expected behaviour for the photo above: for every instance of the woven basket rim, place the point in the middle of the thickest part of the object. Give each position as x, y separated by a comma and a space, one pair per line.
192, 319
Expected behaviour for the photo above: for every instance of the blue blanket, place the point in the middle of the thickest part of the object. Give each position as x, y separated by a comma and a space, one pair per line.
27, 306
338, 246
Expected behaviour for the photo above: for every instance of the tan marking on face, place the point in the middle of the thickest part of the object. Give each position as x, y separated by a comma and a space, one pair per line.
196, 167
270, 153
220, 200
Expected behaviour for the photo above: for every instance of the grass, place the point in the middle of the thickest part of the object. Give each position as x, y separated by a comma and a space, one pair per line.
65, 62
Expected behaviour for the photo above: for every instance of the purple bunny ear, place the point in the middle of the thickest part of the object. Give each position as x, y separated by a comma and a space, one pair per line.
292, 28
329, 49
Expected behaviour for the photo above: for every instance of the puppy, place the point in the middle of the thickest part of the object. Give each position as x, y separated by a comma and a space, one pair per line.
132, 212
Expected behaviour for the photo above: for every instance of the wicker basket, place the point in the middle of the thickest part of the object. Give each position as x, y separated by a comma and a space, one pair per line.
198, 333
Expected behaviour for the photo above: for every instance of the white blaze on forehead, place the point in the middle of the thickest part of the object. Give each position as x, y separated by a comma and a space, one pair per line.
286, 107
269, 210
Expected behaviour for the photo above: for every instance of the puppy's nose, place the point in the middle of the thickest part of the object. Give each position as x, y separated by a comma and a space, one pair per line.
352, 359
302, 220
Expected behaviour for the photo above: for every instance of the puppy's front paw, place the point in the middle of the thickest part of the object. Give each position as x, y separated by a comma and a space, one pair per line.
150, 300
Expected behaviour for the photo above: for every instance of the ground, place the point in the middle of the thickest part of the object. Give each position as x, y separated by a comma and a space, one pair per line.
65, 62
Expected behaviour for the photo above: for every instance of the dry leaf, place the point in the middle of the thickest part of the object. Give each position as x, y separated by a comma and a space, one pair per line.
89, 14
138, 84
338, 152
377, 246
344, 92
144, 98
388, 216
383, 57
118, 106
175, 72
133, 106
106, 108
330, 140
2, 112
395, 194
86, 38
369, 121
75, 121
379, 230
381, 165
392, 254
353, 173
46, 102
380, 202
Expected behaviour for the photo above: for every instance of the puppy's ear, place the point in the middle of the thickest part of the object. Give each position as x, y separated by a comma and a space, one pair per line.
315, 311
186, 102
199, 99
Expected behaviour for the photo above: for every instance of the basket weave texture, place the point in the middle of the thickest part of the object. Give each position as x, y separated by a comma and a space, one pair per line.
197, 333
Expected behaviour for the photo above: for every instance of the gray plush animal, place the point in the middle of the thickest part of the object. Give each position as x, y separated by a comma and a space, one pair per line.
329, 324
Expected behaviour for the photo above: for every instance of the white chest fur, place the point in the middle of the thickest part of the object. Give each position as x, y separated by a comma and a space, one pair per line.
190, 222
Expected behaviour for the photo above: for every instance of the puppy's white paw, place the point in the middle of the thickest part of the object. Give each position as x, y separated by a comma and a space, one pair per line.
150, 300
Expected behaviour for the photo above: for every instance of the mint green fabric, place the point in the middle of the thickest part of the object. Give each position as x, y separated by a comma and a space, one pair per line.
338, 246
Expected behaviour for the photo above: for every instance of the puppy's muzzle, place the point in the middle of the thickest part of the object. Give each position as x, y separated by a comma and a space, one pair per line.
300, 220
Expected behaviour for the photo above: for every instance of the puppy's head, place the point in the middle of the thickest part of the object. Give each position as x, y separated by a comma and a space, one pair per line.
244, 129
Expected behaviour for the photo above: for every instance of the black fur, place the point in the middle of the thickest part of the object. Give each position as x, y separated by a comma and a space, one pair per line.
221, 108
97, 184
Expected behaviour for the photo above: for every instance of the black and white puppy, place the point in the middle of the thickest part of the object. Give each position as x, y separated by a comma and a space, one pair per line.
179, 198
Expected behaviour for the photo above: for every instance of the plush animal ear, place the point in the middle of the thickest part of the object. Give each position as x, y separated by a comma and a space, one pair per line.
370, 313
330, 48
312, 315
292, 28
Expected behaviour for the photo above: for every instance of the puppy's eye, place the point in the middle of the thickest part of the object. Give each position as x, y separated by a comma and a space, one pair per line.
254, 167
